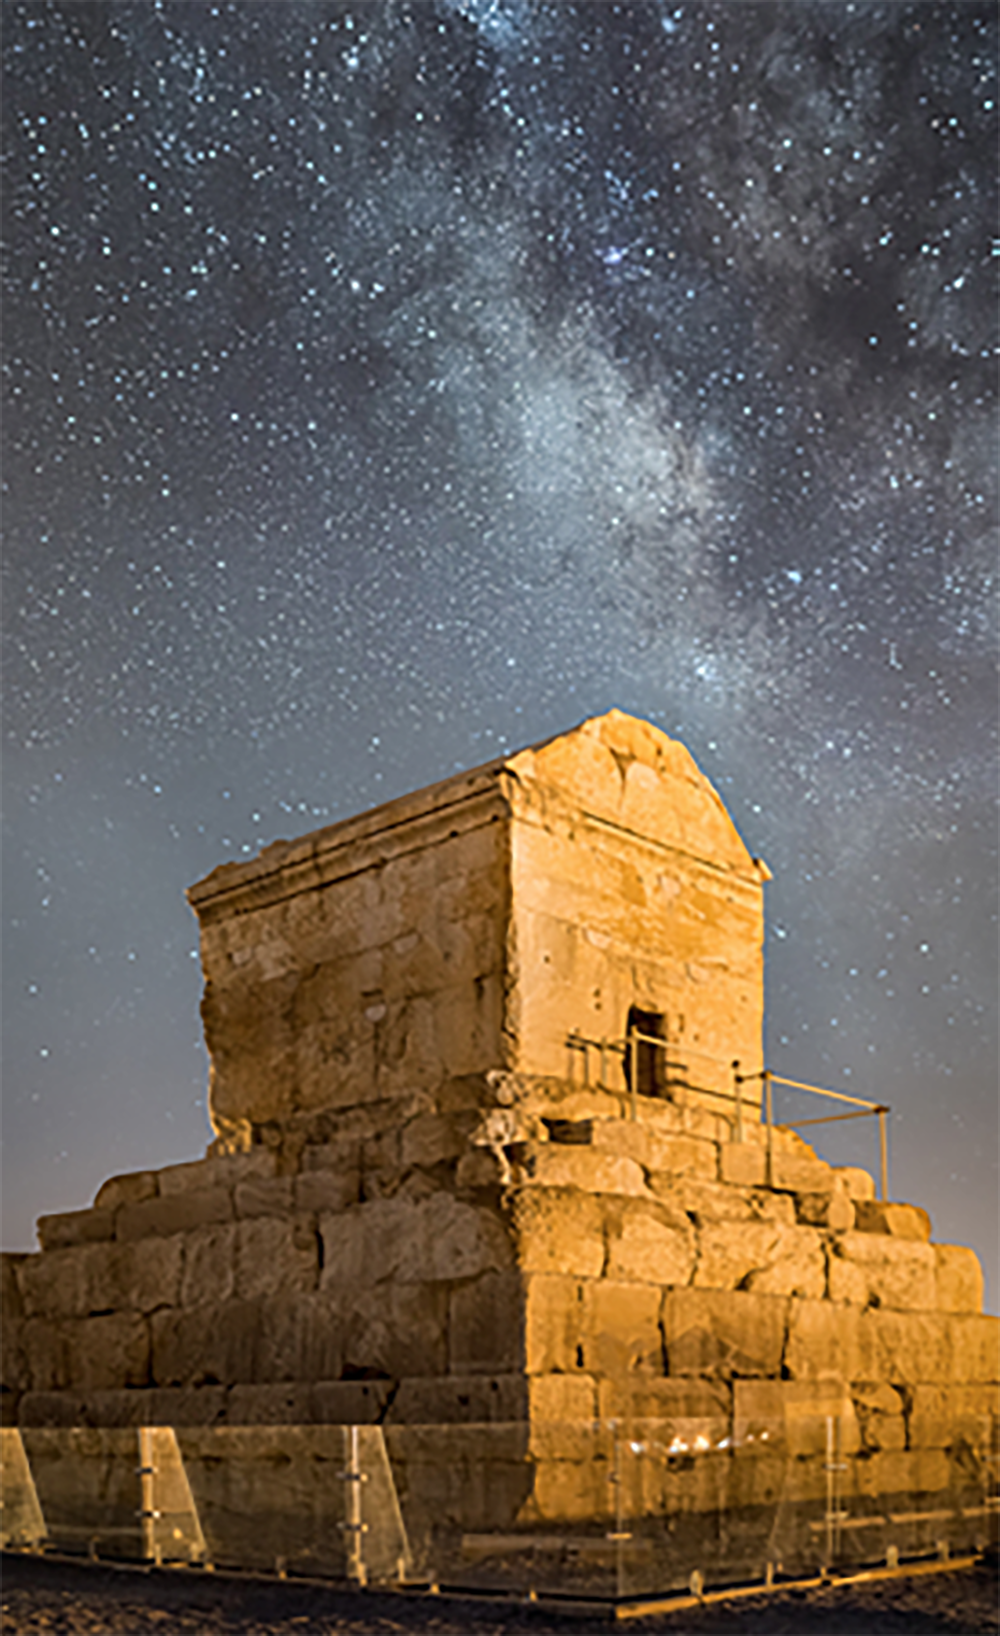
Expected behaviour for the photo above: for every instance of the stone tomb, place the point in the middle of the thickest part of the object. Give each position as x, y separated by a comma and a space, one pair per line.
441, 1194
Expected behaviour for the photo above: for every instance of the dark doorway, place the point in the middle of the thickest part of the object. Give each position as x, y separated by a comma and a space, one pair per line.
650, 1060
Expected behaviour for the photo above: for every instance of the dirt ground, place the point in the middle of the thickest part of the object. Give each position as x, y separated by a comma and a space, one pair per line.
43, 1597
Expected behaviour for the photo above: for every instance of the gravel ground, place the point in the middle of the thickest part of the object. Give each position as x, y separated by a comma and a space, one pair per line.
43, 1597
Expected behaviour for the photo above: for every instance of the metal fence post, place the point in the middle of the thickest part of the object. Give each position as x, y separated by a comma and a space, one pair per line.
769, 1108
883, 1147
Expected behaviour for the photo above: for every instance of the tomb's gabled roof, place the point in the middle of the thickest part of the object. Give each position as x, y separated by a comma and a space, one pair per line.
614, 769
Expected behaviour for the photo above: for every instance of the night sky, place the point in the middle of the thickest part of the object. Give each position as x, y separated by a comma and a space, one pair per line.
389, 385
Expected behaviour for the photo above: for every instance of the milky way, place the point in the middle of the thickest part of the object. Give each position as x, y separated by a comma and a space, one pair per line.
388, 385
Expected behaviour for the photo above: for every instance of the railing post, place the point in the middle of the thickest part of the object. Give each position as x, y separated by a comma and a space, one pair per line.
883, 1146
769, 1110
738, 1082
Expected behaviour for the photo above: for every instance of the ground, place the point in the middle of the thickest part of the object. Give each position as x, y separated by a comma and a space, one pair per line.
42, 1597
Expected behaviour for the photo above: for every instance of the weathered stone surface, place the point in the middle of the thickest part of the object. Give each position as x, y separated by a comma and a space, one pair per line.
742, 1163
249, 1342
553, 1323
823, 1343
795, 1413
546, 1165
801, 1173
857, 1184
209, 1267
177, 1213
873, 1269
650, 1244
907, 1348
103, 1277
761, 1256
276, 1257
102, 1353
720, 1334
959, 1278
621, 1328
939, 1416
833, 1211
222, 1171
431, 1400
898, 1220
909, 1474
267, 1196
397, 1330
706, 1201
687, 1408
436, 1238
486, 1325
74, 1227
879, 1409
559, 1231
128, 1189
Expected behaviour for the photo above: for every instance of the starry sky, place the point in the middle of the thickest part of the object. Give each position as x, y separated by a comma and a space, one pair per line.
389, 385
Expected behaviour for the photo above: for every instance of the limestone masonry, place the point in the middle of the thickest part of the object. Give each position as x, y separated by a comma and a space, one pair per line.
442, 1191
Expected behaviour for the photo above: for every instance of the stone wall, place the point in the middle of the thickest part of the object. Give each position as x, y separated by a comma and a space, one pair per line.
474, 1270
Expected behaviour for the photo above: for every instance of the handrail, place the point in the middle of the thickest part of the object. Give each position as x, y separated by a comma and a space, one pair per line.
628, 1048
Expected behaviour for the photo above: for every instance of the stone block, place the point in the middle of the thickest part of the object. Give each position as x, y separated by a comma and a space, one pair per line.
959, 1278
761, 1256
264, 1196
47, 1358
63, 1232
881, 1420
486, 1325
975, 1339
904, 1474
795, 1413
707, 1201
798, 1173
275, 1257
432, 1139
650, 1244
55, 1284
397, 1330
14, 1374
742, 1164
823, 1343
216, 1344
410, 1241
621, 1328
553, 1323
155, 1406
570, 1491
176, 1213
898, 1220
131, 1188
480, 1171
686, 1156
209, 1268
12, 1265
720, 1334
551, 1165
855, 1182
221, 1171
832, 1211
874, 1269
559, 1231
676, 1407
563, 1414
351, 1402
940, 1416
110, 1351
136, 1277
433, 1400
327, 1192
907, 1348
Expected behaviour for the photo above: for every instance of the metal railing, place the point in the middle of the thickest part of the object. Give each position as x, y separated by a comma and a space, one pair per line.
627, 1049
867, 1110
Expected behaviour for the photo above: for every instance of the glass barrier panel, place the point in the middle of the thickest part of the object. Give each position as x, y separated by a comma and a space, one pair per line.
22, 1525
507, 1507
87, 1483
